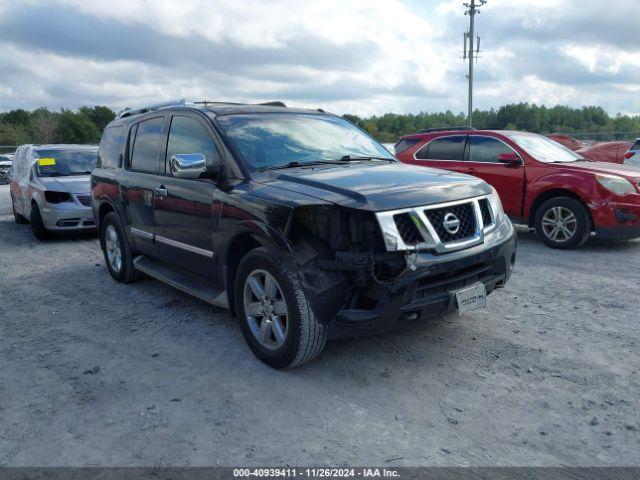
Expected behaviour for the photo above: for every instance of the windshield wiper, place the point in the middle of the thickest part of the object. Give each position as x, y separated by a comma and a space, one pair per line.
81, 173
301, 164
357, 158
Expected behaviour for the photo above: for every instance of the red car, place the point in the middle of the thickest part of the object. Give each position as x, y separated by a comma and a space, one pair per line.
541, 183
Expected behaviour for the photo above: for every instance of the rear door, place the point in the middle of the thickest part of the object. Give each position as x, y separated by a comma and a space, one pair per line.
138, 192
184, 208
481, 160
444, 152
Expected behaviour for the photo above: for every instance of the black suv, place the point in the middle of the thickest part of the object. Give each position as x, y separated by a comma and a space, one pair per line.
298, 221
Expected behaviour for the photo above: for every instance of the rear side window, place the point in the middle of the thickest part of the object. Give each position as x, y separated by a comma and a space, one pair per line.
486, 149
147, 144
187, 135
403, 145
444, 148
111, 147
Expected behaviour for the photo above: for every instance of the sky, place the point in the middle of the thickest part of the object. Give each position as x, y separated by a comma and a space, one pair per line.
346, 56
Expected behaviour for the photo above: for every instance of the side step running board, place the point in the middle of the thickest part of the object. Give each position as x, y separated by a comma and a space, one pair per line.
182, 281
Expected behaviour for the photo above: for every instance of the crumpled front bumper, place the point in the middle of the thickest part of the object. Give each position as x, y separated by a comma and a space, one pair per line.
429, 289
67, 216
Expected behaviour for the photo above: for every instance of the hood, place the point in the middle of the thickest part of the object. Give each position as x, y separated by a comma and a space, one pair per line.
70, 184
627, 171
376, 186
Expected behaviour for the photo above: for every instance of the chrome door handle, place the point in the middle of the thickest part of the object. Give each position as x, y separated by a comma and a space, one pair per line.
161, 191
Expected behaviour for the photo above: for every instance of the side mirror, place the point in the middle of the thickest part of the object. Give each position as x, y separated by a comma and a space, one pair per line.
188, 165
510, 159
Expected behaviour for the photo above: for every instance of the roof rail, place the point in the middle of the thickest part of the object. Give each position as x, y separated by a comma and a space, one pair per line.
173, 103
214, 102
444, 129
274, 103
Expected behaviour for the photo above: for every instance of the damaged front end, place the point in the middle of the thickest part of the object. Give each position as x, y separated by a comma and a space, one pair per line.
363, 271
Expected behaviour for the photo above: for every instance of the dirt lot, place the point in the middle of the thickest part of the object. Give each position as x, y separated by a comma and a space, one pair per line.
97, 373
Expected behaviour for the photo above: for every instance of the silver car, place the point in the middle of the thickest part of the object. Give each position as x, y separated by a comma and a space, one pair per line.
6, 159
50, 187
632, 157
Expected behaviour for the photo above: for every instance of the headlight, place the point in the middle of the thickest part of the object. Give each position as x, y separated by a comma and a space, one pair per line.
615, 184
498, 210
57, 197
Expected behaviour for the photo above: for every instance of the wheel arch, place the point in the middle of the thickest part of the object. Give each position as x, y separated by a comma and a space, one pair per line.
555, 193
104, 208
238, 248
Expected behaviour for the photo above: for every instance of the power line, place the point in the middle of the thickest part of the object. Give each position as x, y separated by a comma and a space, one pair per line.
471, 9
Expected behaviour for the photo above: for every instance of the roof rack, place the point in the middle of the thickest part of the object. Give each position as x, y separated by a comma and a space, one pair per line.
444, 129
182, 103
173, 103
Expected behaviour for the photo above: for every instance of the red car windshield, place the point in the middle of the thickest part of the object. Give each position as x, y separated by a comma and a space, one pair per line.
543, 149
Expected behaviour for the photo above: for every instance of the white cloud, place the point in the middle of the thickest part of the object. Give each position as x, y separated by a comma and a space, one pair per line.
357, 56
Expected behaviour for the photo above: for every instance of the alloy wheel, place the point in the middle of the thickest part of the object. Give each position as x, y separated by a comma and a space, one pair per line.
265, 309
112, 246
559, 224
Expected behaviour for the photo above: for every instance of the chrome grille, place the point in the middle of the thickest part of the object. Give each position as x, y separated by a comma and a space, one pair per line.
84, 200
423, 227
407, 229
485, 210
465, 215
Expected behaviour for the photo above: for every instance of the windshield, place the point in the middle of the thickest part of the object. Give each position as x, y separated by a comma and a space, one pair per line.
55, 163
544, 149
275, 140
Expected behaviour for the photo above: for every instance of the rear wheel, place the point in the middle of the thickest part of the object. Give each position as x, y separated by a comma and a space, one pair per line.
37, 224
563, 222
16, 216
117, 253
276, 319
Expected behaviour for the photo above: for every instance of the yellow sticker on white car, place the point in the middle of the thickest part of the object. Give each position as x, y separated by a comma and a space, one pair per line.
43, 162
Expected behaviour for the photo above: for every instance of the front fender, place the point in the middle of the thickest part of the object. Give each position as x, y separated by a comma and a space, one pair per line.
581, 185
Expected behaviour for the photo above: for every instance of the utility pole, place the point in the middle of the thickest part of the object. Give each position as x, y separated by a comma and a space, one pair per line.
471, 9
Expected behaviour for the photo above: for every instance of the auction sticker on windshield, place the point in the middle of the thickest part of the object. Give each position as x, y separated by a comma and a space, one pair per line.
471, 298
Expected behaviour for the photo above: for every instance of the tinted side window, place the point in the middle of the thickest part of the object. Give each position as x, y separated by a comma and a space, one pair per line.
403, 144
187, 135
486, 149
111, 147
146, 146
444, 148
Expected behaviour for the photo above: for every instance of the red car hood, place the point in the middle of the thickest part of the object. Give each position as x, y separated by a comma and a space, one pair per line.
626, 171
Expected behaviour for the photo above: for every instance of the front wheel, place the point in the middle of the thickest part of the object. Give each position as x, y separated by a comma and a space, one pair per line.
37, 224
563, 222
117, 253
276, 318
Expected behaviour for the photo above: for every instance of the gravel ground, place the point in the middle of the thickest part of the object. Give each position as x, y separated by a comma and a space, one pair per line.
5, 199
97, 373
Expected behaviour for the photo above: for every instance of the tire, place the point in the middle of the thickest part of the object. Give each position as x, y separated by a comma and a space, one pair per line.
303, 338
115, 245
37, 225
574, 219
20, 220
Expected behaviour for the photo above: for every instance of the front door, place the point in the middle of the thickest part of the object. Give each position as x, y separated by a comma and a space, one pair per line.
184, 208
139, 190
481, 160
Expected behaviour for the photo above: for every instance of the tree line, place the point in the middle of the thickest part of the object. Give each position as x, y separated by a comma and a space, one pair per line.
517, 116
86, 124
41, 126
